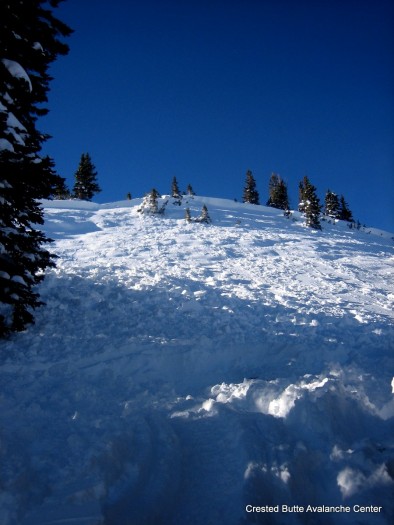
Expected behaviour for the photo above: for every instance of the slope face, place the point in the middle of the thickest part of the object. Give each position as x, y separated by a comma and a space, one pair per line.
180, 372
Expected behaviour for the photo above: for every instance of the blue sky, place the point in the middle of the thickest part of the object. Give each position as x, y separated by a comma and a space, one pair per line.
206, 89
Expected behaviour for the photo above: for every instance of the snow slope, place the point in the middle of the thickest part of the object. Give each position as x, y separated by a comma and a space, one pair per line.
181, 372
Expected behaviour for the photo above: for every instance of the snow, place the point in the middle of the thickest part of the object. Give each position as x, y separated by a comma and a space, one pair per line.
182, 371
6, 145
17, 71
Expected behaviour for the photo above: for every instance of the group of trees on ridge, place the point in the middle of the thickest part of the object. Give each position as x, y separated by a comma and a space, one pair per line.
85, 184
335, 207
150, 204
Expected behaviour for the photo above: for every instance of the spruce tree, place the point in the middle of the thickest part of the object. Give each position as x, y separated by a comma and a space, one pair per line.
309, 204
150, 204
175, 193
344, 212
278, 197
61, 192
153, 205
188, 216
204, 215
331, 205
189, 190
30, 40
86, 186
250, 194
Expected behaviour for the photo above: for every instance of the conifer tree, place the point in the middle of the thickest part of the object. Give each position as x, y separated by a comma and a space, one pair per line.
344, 212
250, 194
175, 193
309, 204
205, 215
188, 217
30, 40
128, 196
61, 192
153, 205
278, 197
150, 204
189, 190
86, 186
331, 205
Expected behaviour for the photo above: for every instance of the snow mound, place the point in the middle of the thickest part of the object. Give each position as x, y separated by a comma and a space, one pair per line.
184, 373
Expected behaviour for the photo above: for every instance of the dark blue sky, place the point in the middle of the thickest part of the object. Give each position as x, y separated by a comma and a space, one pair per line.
205, 90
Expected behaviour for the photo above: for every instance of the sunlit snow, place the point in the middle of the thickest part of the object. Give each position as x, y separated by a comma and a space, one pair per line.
181, 371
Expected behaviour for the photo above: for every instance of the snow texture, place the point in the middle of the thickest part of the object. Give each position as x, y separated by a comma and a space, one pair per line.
182, 371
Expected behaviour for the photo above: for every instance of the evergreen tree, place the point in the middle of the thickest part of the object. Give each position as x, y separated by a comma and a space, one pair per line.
204, 215
331, 205
189, 190
153, 204
250, 194
61, 192
86, 185
29, 42
188, 217
278, 197
175, 193
344, 212
150, 203
128, 196
309, 204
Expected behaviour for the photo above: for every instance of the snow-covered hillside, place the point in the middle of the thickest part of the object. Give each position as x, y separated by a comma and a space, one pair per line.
186, 373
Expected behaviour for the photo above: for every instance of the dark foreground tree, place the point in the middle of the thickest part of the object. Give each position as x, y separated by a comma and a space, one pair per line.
278, 196
309, 204
86, 186
30, 40
250, 195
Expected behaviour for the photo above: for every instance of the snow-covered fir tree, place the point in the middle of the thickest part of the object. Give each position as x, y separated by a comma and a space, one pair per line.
278, 196
204, 217
150, 204
309, 204
331, 205
30, 40
175, 192
189, 190
188, 216
86, 185
250, 194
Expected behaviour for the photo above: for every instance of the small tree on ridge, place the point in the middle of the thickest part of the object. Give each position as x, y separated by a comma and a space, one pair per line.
86, 185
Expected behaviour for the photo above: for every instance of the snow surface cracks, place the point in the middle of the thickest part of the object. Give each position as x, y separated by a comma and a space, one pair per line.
179, 372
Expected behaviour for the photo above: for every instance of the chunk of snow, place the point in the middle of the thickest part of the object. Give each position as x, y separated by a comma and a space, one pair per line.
17, 71
6, 145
